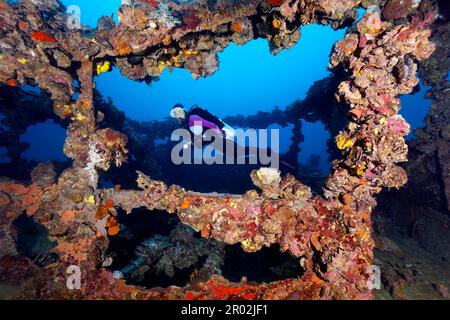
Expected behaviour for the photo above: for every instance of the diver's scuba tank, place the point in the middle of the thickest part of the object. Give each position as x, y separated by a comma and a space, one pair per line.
229, 131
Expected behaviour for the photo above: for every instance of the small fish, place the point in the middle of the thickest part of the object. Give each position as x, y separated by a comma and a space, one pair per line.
42, 37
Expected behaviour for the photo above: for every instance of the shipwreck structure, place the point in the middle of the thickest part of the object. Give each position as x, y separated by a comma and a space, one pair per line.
330, 235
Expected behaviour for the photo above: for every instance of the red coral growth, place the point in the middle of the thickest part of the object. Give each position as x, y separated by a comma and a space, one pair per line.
31, 200
74, 251
396, 9
68, 216
236, 27
191, 296
153, 3
40, 36
109, 203
12, 83
221, 292
275, 3
418, 23
23, 198
398, 125
22, 25
113, 226
191, 19
422, 22
4, 5
102, 212
112, 136
122, 46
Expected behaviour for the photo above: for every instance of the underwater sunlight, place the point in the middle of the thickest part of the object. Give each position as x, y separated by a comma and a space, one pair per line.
92, 10
315, 144
415, 107
249, 79
46, 140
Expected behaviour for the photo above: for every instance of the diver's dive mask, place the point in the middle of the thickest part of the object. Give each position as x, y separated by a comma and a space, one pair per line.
178, 113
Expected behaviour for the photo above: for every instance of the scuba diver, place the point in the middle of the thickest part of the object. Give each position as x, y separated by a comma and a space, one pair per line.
198, 120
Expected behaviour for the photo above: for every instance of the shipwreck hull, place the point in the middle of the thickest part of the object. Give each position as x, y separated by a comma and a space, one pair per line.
330, 235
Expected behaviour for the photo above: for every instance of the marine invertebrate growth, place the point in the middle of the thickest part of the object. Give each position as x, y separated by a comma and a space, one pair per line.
330, 235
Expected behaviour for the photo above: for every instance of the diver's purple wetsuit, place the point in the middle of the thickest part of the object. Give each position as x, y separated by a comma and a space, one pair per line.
197, 120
